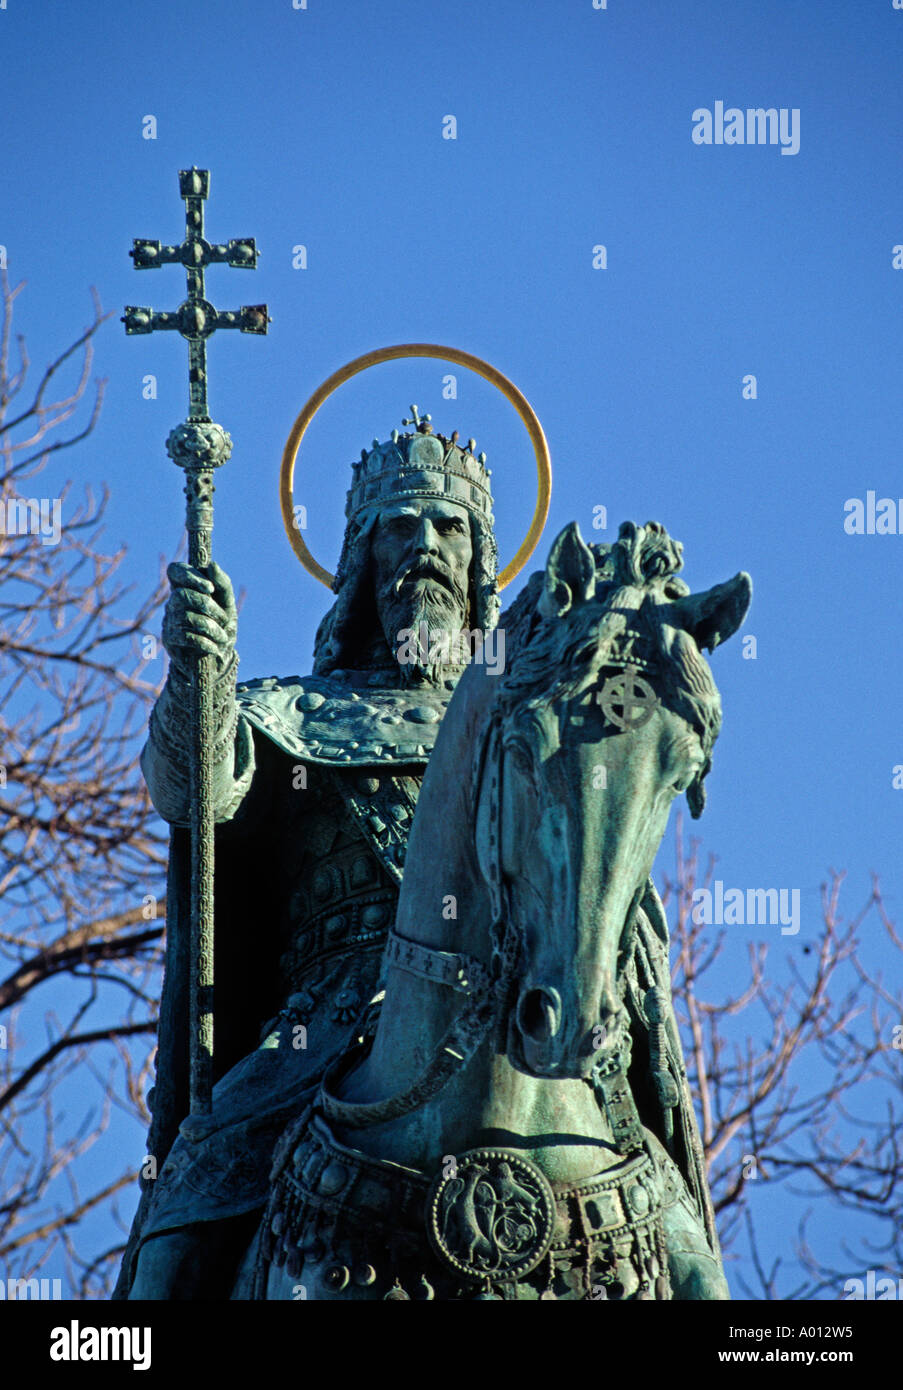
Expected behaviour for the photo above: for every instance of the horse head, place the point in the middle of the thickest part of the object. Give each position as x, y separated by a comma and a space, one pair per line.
606, 712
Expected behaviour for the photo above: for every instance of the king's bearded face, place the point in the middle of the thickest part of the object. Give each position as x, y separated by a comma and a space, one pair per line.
421, 554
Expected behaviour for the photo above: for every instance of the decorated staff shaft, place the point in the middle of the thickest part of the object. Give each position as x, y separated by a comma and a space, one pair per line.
198, 446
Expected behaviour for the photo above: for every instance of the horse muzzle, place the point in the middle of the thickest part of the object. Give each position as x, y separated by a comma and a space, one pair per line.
542, 1045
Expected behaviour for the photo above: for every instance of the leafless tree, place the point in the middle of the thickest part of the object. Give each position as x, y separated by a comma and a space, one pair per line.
82, 855
797, 1077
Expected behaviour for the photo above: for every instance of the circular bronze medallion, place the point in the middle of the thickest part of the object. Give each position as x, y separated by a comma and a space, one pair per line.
490, 1215
632, 696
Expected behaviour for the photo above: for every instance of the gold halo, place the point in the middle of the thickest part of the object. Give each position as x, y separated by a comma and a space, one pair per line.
388, 354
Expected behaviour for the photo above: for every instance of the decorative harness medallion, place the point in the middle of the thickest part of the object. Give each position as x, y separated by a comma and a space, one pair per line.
628, 701
492, 1218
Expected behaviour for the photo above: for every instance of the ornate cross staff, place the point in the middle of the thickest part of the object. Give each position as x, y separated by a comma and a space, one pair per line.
199, 446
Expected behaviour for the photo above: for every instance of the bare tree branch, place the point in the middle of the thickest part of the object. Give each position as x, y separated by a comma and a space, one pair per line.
797, 1077
82, 852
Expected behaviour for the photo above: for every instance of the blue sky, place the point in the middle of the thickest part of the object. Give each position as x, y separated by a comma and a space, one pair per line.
323, 127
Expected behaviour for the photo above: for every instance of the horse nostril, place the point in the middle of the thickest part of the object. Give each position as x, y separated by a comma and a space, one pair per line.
538, 1013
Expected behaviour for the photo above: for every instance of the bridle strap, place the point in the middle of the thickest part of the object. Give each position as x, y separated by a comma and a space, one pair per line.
492, 754
458, 1044
453, 968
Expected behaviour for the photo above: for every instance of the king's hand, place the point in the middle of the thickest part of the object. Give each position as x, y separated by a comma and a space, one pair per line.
200, 618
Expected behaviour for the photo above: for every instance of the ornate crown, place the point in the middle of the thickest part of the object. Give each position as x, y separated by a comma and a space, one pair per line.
421, 464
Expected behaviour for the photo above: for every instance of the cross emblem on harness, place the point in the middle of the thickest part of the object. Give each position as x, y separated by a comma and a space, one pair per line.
630, 694
195, 318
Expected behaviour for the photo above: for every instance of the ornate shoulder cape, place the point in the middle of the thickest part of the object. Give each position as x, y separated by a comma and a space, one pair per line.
351, 718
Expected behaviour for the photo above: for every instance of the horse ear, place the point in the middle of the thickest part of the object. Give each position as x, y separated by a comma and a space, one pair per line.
714, 615
570, 577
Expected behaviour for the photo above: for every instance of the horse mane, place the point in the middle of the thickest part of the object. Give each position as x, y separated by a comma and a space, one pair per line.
635, 582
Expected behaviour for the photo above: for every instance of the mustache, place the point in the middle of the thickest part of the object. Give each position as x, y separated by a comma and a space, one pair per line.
425, 567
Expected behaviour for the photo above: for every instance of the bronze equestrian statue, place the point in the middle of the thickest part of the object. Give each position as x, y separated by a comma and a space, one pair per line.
466, 1083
